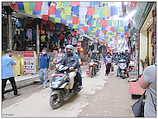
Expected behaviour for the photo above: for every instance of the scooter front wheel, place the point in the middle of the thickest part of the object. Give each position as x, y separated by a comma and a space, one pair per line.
56, 99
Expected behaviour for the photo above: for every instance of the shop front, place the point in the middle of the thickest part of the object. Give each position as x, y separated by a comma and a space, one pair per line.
147, 45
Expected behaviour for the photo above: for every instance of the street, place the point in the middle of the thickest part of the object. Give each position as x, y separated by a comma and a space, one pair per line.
101, 96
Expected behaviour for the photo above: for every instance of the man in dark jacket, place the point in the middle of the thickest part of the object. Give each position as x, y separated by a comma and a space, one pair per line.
71, 61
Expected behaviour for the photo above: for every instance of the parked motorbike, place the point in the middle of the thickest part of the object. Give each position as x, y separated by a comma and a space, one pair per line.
122, 67
93, 68
60, 87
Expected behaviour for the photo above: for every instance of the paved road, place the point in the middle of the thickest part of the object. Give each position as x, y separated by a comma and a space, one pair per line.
101, 97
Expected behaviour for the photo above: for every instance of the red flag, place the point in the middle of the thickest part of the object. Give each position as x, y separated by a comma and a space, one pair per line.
52, 10
85, 28
104, 23
75, 3
75, 20
38, 6
14, 6
91, 11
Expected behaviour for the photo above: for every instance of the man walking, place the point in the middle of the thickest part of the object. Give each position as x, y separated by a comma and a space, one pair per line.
44, 66
108, 61
8, 72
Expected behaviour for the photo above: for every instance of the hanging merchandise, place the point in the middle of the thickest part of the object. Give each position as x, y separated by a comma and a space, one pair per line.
29, 34
58, 27
43, 38
18, 23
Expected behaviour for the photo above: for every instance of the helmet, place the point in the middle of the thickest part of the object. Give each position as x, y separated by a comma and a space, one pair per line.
69, 49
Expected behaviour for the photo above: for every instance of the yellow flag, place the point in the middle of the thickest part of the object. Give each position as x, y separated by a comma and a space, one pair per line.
27, 8
57, 20
75, 26
67, 10
106, 11
59, 4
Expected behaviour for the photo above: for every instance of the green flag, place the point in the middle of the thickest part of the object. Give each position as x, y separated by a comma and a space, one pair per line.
32, 6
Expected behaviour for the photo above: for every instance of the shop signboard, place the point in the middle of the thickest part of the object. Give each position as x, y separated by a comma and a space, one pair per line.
29, 62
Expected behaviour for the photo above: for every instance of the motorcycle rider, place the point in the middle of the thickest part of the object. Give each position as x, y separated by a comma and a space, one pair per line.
72, 62
122, 56
127, 55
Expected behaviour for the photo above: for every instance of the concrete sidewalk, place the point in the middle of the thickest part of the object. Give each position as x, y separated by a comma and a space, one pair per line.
22, 81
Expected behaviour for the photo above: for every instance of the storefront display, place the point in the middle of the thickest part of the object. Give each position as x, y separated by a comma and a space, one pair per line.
29, 62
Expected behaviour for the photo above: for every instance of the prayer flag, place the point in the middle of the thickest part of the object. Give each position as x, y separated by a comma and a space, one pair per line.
66, 4
85, 28
114, 10
38, 6
57, 13
91, 11
27, 7
32, 6
75, 20
75, 10
106, 11
52, 10
94, 3
67, 10
58, 20
60, 4
21, 6
75, 3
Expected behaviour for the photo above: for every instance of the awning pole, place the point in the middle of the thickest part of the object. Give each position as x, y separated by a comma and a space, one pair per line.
10, 31
38, 39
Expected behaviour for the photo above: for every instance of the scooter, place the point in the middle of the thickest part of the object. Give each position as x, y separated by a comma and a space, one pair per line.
122, 67
60, 87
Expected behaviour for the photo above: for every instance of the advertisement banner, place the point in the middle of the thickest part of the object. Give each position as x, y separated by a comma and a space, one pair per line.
29, 62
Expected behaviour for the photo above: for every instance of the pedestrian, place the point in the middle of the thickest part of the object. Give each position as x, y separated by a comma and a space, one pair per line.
8, 72
148, 82
108, 61
127, 55
44, 66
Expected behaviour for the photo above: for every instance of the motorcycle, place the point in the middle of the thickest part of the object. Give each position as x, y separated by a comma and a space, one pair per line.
93, 68
122, 67
60, 87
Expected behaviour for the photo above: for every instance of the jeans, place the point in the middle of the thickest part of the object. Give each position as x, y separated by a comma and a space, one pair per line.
13, 83
72, 76
43, 76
